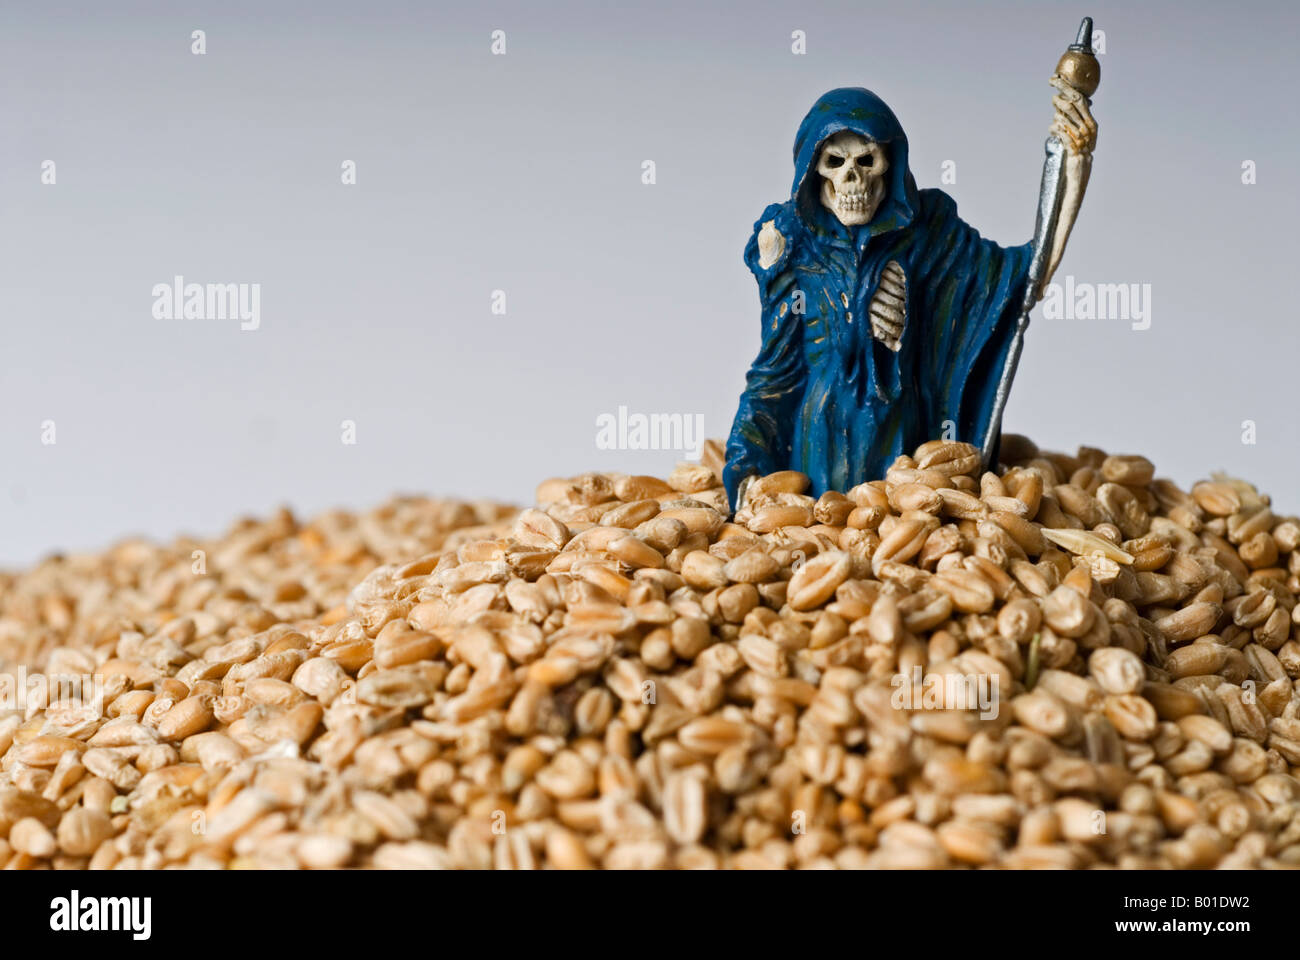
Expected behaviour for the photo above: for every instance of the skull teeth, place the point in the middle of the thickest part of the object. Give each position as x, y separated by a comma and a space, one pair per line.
851, 201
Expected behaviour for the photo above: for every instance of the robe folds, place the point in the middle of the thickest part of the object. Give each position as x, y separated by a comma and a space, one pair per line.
824, 395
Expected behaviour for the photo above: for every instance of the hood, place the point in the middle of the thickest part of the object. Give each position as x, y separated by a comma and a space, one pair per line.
859, 110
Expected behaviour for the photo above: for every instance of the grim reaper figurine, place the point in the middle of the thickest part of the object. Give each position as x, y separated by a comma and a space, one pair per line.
887, 320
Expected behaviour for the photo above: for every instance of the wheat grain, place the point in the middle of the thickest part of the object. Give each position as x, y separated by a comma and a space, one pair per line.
624, 676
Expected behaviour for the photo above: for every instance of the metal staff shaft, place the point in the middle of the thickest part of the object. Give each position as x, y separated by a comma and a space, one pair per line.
1050, 191
1079, 68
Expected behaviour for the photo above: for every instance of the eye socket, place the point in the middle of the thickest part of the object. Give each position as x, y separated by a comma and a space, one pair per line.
834, 161
867, 160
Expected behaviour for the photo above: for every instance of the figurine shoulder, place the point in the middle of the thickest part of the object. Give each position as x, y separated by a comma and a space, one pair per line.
941, 226
936, 205
770, 244
938, 215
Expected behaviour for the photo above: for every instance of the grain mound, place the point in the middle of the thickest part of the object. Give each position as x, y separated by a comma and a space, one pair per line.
1071, 664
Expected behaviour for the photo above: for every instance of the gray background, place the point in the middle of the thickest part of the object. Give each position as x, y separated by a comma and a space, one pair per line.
522, 173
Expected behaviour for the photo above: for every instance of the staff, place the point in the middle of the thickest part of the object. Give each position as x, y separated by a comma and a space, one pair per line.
1065, 175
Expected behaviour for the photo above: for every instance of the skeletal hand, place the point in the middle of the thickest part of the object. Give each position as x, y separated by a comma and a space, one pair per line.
1073, 124
887, 333
1076, 131
888, 308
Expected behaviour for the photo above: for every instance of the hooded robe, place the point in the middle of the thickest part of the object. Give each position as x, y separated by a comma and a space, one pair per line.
825, 396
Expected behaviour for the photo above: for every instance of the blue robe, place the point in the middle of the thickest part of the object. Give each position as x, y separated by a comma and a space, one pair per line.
824, 396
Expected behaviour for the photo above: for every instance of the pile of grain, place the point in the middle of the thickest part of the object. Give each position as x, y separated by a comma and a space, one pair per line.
1071, 664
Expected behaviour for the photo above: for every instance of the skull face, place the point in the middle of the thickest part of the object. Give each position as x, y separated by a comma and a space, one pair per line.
853, 177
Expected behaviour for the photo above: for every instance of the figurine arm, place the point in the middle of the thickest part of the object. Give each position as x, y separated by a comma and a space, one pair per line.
771, 245
1075, 127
